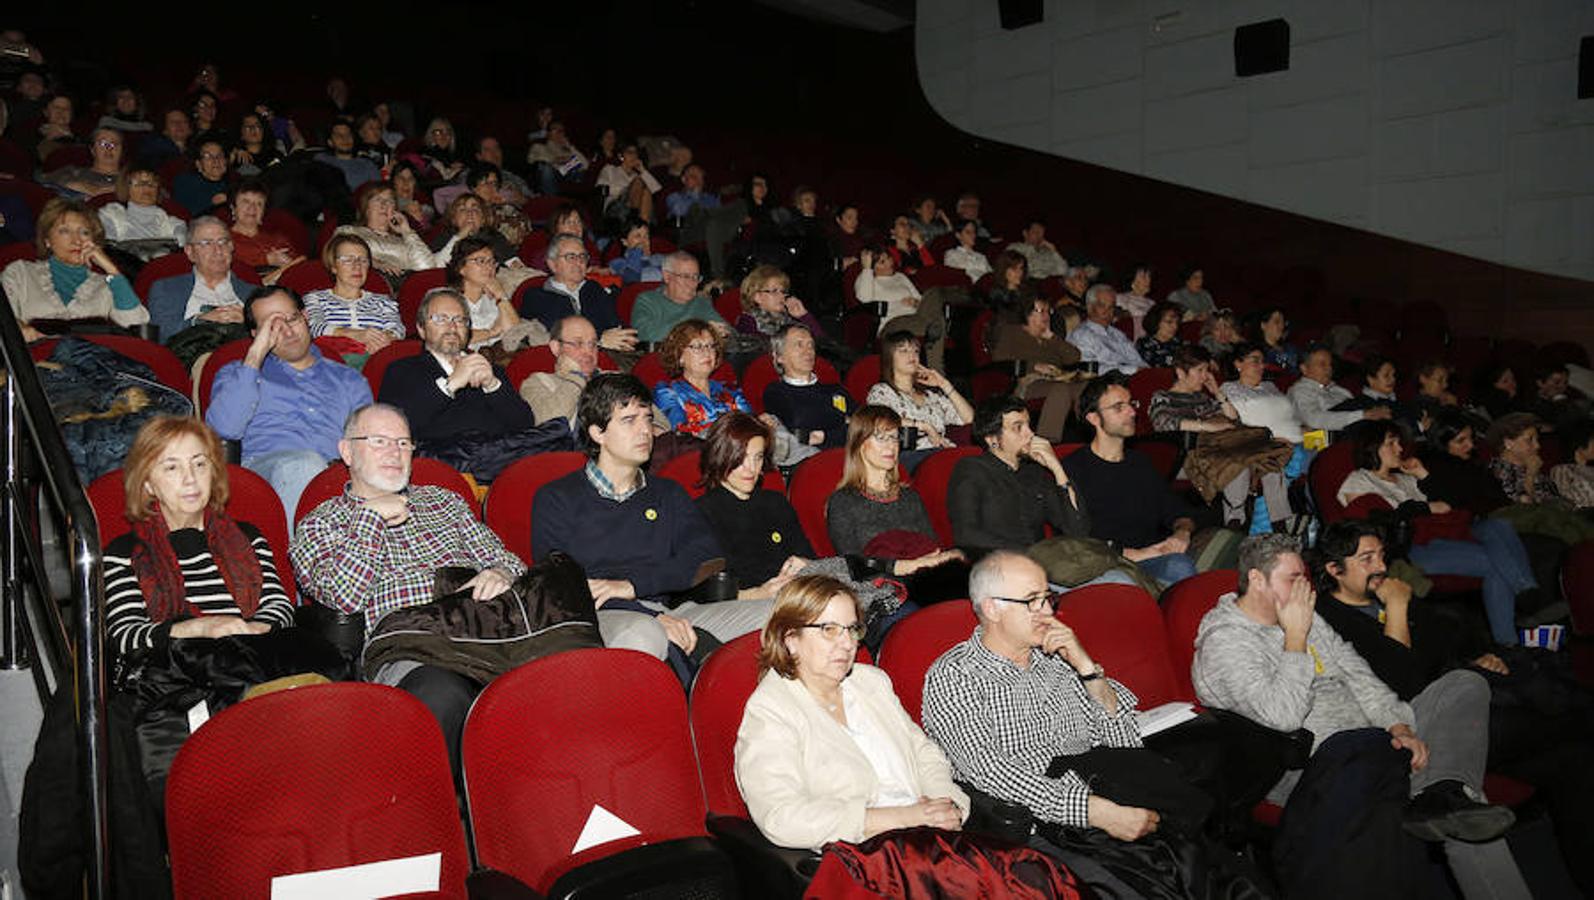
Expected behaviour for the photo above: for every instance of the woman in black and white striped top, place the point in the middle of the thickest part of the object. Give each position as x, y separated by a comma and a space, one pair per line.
186, 569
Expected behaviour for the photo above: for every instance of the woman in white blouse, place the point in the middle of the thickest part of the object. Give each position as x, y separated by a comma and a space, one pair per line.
1260, 403
922, 396
964, 256
825, 751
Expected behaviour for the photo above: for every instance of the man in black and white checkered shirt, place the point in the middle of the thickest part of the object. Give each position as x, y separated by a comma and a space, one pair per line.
1022, 691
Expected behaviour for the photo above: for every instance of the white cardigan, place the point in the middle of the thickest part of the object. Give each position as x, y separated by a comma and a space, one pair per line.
805, 781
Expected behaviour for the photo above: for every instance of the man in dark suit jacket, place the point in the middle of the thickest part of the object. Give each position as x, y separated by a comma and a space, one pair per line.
450, 395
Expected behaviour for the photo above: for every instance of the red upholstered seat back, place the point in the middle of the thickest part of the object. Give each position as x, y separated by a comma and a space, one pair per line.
507, 510
862, 376
164, 363
376, 364
1183, 605
250, 498
551, 740
1122, 630
315, 778
932, 478
919, 640
812, 483
719, 693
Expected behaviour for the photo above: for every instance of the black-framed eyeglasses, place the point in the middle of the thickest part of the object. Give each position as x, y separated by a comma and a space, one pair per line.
1046, 602
834, 630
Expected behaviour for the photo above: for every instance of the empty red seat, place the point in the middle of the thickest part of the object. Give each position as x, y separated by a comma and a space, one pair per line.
321, 777
507, 509
583, 737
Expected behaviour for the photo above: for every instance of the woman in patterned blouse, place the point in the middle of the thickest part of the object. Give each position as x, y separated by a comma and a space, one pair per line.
690, 398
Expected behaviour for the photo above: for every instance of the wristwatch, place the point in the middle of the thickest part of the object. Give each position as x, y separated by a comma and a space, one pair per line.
1093, 674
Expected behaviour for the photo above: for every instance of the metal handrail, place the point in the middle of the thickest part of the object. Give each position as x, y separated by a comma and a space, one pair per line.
26, 400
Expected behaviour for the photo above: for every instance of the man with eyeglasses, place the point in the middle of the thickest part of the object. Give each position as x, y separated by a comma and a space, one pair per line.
1021, 692
284, 400
568, 292
460, 406
554, 395
376, 548
1131, 505
1101, 343
210, 293
675, 301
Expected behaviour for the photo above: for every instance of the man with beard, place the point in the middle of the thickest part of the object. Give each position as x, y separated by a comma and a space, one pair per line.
376, 547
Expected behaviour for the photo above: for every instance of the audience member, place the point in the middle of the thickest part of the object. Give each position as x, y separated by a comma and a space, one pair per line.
458, 404
1004, 498
764, 543
692, 400
347, 309
812, 412
377, 547
187, 569
1265, 654
639, 539
1101, 343
1161, 341
1050, 363
395, 248
1260, 403
807, 782
136, 224
209, 293
1131, 505
252, 244
102, 173
905, 309
1041, 256
1319, 402
284, 400
204, 188
1137, 302
568, 291
62, 285
964, 256
922, 396
1192, 295
678, 299
1493, 552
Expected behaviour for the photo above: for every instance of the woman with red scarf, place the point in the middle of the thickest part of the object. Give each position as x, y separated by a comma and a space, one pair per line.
186, 569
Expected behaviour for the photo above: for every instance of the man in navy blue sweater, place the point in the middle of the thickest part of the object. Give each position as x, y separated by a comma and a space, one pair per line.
638, 539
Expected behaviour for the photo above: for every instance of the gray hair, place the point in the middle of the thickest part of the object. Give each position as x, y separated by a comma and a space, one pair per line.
201, 222
678, 256
353, 421
985, 579
553, 245
777, 344
1101, 295
1262, 552
426, 303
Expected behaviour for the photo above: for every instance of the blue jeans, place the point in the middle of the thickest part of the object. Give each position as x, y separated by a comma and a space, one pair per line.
288, 471
1502, 564
1169, 568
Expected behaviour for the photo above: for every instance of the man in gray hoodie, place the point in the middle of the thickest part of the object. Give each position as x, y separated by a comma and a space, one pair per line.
1264, 653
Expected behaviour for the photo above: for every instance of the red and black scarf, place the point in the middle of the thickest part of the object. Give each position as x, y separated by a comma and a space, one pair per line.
160, 578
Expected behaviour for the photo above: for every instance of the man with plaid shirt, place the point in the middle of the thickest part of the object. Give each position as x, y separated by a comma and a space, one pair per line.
375, 548
1022, 691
